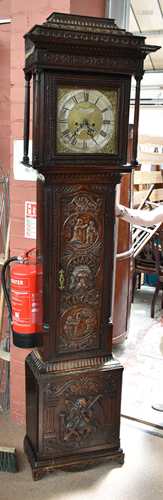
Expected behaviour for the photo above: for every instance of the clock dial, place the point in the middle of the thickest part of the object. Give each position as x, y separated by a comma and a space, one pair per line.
87, 121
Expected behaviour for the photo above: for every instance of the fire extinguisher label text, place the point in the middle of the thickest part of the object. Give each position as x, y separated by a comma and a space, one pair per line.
17, 282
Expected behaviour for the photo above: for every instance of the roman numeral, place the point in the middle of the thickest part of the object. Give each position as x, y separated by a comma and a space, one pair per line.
86, 96
98, 98
73, 139
66, 133
75, 99
106, 122
85, 145
63, 121
65, 109
103, 133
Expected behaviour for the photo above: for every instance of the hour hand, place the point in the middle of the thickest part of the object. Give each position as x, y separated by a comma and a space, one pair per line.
91, 130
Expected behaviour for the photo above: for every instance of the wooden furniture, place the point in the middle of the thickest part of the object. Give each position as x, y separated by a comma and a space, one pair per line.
150, 261
147, 180
147, 241
151, 149
81, 69
142, 234
158, 251
147, 187
144, 263
124, 256
123, 269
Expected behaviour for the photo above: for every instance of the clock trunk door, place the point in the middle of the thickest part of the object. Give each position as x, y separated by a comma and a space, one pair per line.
82, 267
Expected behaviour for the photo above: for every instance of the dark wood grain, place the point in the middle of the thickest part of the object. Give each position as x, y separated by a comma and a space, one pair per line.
124, 268
77, 416
81, 303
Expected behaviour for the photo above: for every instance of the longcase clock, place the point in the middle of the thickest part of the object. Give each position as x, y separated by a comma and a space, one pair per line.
81, 69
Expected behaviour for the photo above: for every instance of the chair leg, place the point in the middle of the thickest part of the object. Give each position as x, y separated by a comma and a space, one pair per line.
134, 284
162, 299
139, 281
155, 295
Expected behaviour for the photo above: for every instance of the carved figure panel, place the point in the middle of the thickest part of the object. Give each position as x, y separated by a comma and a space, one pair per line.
82, 224
82, 257
81, 279
81, 231
84, 409
80, 420
79, 327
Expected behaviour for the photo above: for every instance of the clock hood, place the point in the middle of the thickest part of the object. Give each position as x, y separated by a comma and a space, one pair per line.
67, 40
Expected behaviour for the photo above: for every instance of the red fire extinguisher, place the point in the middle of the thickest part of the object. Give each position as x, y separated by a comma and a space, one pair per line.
25, 306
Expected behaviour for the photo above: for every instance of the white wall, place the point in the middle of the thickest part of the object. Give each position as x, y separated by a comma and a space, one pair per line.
151, 114
150, 121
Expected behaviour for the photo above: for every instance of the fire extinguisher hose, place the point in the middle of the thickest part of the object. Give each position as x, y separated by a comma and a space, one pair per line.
4, 286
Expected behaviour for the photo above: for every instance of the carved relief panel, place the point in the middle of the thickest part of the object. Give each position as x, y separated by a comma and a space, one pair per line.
79, 408
81, 247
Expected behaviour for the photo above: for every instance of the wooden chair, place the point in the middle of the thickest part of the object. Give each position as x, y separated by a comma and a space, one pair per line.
150, 261
158, 251
147, 241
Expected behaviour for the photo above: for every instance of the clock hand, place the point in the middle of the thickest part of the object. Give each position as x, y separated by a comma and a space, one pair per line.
84, 125
91, 130
78, 128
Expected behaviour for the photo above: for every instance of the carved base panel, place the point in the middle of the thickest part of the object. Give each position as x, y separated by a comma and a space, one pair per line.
69, 464
73, 418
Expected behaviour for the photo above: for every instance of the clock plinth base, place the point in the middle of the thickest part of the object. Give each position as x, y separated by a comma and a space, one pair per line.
70, 464
73, 417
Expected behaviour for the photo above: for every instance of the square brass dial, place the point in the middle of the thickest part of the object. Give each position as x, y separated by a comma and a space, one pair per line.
87, 120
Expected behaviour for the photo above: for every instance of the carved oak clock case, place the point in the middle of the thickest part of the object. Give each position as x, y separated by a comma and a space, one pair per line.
81, 69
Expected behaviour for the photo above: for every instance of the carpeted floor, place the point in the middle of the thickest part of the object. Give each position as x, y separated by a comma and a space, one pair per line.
142, 359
